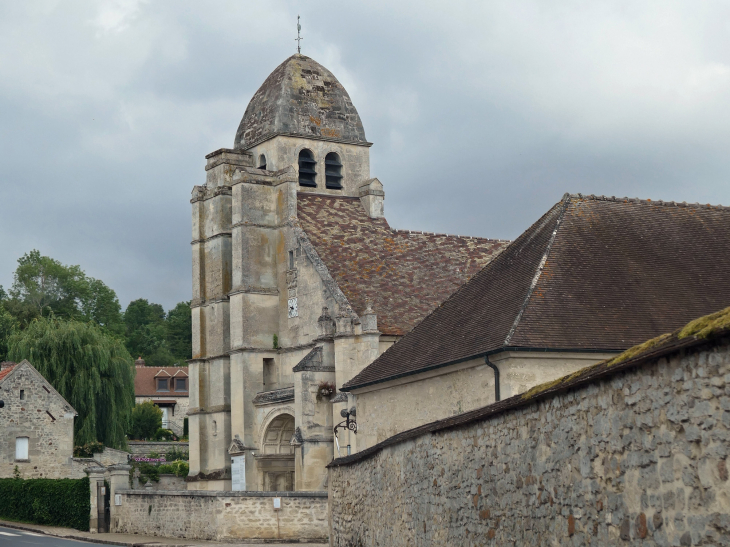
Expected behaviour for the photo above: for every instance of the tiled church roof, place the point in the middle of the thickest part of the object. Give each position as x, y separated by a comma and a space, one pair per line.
594, 273
404, 274
300, 98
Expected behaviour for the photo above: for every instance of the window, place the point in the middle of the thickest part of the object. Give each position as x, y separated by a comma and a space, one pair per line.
22, 395
180, 384
21, 448
262, 162
291, 260
333, 171
269, 374
162, 384
307, 174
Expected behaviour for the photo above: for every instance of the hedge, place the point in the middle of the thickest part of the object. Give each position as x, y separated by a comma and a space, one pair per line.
55, 502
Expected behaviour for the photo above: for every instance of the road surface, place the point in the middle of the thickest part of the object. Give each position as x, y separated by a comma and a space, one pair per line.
10, 537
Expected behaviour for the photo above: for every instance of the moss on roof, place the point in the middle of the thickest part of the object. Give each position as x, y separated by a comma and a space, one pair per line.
702, 327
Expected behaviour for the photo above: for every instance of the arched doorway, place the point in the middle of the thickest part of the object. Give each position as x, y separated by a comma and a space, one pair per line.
275, 460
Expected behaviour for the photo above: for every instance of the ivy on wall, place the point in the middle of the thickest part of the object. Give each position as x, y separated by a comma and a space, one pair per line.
55, 502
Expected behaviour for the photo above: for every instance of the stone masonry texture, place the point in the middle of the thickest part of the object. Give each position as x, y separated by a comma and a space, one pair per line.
42, 416
223, 515
637, 456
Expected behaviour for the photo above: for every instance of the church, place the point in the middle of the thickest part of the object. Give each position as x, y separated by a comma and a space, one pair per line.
299, 283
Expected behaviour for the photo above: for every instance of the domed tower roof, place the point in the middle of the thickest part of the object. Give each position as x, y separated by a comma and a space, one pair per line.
300, 98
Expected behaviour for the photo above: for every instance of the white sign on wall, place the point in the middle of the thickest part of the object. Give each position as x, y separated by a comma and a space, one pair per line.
117, 499
277, 504
238, 473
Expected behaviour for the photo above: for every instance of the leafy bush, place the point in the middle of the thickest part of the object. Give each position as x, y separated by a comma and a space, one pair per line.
165, 435
88, 450
178, 468
176, 454
55, 502
146, 420
148, 471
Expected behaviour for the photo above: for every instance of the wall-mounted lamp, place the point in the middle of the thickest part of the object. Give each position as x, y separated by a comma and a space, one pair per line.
348, 423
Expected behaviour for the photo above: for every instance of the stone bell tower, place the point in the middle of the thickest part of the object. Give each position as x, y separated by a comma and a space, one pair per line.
300, 133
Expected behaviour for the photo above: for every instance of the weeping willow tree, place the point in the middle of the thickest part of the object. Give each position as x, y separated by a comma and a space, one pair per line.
91, 369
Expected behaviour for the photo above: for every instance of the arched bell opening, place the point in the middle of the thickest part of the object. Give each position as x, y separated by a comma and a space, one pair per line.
333, 171
307, 171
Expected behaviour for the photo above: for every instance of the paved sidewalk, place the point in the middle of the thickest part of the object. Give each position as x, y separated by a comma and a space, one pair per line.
133, 540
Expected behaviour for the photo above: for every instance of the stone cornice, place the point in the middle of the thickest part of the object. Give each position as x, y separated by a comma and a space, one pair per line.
251, 349
215, 236
204, 193
275, 396
272, 291
270, 136
201, 302
209, 410
255, 225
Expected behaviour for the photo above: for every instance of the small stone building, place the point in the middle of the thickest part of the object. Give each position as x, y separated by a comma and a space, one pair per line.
36, 426
591, 278
167, 387
299, 282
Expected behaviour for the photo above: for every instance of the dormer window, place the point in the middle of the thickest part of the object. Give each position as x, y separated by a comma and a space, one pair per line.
162, 384
262, 162
307, 173
333, 171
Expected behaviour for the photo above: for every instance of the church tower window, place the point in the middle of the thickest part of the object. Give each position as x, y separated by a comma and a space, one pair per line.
262, 162
307, 173
333, 171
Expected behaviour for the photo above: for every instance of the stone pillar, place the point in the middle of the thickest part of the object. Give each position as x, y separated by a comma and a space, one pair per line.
353, 354
210, 403
260, 208
313, 438
118, 480
96, 475
372, 197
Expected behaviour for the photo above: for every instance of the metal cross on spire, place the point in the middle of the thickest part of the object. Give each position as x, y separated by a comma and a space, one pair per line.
298, 39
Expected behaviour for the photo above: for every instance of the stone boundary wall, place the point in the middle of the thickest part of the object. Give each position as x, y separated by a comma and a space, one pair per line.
222, 515
632, 453
142, 448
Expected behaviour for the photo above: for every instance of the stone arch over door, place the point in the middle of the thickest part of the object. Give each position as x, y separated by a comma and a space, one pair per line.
275, 459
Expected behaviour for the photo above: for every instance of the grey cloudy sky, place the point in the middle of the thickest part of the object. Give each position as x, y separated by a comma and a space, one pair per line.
482, 113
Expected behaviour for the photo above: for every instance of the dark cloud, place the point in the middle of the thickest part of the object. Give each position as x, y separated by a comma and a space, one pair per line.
482, 114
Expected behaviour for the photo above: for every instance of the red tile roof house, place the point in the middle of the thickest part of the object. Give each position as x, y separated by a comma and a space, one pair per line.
591, 278
167, 387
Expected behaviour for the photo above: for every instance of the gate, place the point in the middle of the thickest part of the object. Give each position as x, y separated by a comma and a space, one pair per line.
102, 506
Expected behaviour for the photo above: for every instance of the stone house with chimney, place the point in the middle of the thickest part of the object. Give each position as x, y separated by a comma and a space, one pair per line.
591, 278
36, 427
299, 283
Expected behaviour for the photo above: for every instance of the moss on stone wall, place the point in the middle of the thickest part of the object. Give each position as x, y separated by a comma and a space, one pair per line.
703, 327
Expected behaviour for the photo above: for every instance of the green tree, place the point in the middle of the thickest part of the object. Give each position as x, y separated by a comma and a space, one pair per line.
102, 306
179, 324
90, 368
41, 281
7, 326
146, 420
146, 333
42, 285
